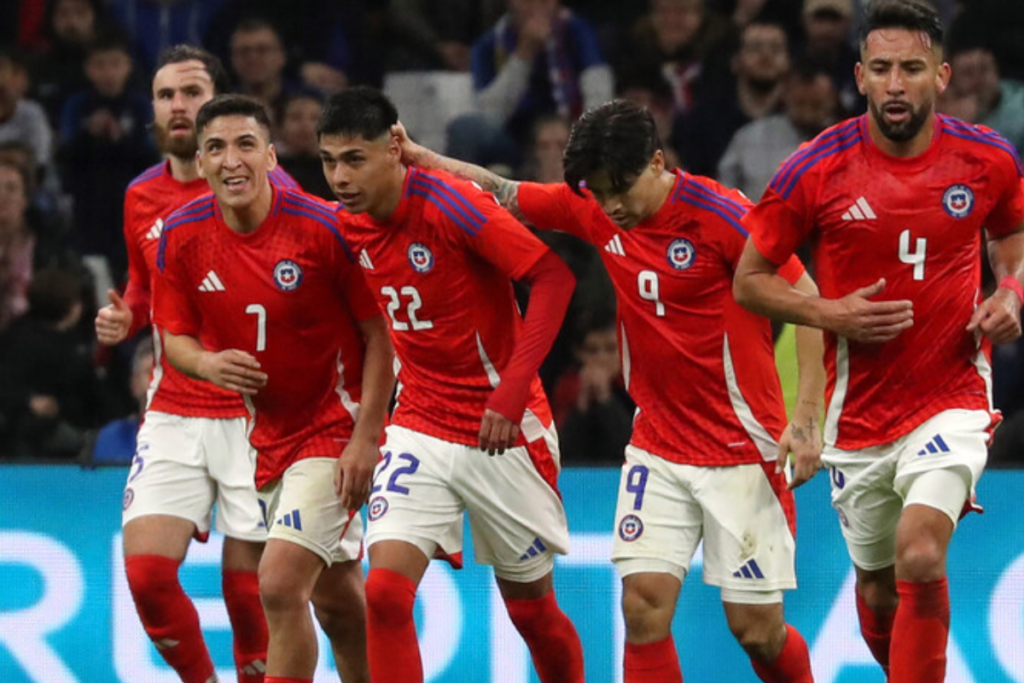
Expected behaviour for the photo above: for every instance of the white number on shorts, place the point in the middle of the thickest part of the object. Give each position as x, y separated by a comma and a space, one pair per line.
393, 485
636, 483
415, 304
913, 258
261, 325
647, 282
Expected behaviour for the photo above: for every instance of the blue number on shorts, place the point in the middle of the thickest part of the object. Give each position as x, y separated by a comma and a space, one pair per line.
137, 460
263, 511
636, 483
384, 466
838, 480
414, 464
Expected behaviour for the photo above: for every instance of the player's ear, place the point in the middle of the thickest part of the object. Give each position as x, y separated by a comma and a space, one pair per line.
271, 157
199, 163
942, 77
658, 162
858, 74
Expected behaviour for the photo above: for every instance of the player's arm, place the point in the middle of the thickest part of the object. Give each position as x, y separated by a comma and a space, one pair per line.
758, 287
232, 369
998, 316
802, 436
123, 317
354, 474
504, 190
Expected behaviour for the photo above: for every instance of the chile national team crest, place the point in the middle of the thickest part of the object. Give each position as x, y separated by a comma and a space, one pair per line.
378, 506
681, 254
958, 200
287, 275
630, 528
420, 258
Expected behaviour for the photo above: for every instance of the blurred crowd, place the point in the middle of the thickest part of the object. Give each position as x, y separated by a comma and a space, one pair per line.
735, 86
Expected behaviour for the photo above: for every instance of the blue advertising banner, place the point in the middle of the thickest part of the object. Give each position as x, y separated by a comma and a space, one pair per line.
66, 614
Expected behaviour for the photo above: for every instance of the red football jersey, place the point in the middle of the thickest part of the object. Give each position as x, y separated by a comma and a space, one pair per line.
441, 267
700, 368
149, 200
290, 294
916, 222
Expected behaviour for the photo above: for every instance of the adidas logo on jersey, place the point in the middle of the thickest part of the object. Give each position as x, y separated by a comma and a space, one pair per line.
749, 570
537, 548
211, 283
615, 246
936, 445
156, 230
292, 520
860, 210
364, 260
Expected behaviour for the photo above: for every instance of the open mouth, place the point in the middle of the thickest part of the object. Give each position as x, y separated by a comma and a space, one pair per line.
236, 185
896, 112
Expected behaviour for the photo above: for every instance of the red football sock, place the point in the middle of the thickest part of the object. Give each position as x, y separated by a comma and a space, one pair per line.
554, 644
287, 679
877, 632
793, 665
920, 632
392, 648
249, 626
169, 617
652, 663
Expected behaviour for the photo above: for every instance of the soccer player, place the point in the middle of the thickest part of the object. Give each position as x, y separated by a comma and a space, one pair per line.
701, 370
894, 202
261, 295
440, 254
192, 448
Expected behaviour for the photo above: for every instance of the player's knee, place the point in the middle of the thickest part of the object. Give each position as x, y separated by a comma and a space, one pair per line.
152, 580
920, 558
280, 592
646, 618
880, 596
339, 613
387, 604
762, 640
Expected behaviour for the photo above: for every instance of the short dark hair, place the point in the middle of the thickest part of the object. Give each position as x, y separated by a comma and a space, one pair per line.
53, 293
26, 178
188, 53
357, 112
918, 16
617, 136
232, 105
109, 41
254, 23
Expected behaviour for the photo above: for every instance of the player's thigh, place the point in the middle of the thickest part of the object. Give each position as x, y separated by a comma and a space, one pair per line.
231, 462
515, 515
749, 545
866, 502
658, 522
303, 508
162, 535
941, 461
168, 475
411, 499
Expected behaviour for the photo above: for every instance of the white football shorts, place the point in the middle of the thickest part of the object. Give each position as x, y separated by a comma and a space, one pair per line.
183, 465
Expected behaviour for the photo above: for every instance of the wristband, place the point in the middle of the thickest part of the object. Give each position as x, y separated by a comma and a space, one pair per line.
1013, 284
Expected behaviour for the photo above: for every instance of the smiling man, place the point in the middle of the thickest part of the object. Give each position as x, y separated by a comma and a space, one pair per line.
261, 296
895, 203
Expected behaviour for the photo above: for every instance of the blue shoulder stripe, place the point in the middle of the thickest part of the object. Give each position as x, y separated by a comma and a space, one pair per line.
281, 178
829, 143
459, 203
326, 222
964, 131
737, 210
148, 174
174, 222
726, 215
303, 202
454, 208
193, 207
458, 219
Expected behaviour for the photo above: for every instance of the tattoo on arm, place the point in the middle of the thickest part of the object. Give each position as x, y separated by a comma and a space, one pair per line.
505, 191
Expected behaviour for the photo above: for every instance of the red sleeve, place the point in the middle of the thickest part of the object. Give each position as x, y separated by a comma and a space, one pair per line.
552, 206
360, 301
1007, 214
137, 294
779, 224
172, 308
551, 286
502, 240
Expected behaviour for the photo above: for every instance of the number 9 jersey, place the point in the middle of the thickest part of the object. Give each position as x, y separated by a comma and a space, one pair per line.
917, 223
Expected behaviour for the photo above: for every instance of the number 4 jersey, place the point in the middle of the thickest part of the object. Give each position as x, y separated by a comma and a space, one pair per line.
290, 294
917, 223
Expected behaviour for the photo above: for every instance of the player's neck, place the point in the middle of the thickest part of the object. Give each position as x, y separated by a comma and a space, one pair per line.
391, 198
245, 219
184, 170
913, 147
666, 182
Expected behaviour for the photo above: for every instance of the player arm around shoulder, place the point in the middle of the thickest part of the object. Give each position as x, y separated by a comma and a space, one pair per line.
998, 316
354, 472
504, 190
802, 437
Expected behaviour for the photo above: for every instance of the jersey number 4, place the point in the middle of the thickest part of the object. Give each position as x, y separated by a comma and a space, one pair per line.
916, 257
414, 304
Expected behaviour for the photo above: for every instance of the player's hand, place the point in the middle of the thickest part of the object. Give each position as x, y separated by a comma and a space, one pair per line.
410, 150
497, 433
998, 317
113, 321
233, 370
858, 318
802, 438
353, 475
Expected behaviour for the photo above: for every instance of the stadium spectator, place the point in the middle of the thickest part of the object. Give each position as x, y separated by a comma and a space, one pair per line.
17, 243
20, 118
44, 215
426, 35
757, 149
258, 60
995, 102
156, 25
827, 28
115, 442
759, 66
298, 150
650, 90
538, 59
103, 144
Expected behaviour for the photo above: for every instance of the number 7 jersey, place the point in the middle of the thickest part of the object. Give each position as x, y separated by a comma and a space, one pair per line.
917, 223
